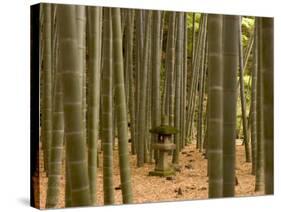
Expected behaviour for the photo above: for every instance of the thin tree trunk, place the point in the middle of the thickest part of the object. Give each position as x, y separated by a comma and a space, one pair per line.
194, 78
143, 92
193, 39
242, 94
185, 70
170, 65
139, 47
215, 113
130, 33
178, 76
201, 93
199, 64
254, 102
122, 121
230, 59
259, 184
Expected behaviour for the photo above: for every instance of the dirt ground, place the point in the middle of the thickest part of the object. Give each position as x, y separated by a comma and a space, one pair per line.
189, 184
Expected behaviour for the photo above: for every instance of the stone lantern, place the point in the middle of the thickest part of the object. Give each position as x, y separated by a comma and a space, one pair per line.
164, 145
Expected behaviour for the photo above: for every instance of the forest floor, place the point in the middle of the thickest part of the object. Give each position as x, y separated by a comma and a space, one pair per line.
190, 183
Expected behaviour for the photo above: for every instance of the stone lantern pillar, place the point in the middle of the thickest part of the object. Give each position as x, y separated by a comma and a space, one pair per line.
164, 145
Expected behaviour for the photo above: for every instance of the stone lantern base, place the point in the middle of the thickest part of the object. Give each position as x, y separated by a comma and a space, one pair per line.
162, 173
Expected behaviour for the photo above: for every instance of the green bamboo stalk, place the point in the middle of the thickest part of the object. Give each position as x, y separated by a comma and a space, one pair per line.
201, 93
242, 94
215, 113
81, 39
178, 76
147, 140
72, 98
204, 109
143, 92
94, 52
67, 195
184, 89
121, 108
149, 147
198, 63
55, 163
125, 16
170, 65
267, 87
156, 64
245, 61
56, 149
254, 102
195, 69
130, 34
230, 59
193, 39
107, 135
259, 184
139, 46
47, 84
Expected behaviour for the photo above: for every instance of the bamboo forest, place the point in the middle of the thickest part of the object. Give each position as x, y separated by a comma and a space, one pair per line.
141, 106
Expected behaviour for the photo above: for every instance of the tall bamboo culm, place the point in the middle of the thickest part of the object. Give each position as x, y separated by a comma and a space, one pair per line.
56, 149
122, 122
130, 34
47, 84
267, 87
72, 102
178, 77
143, 93
93, 109
215, 107
107, 104
254, 102
230, 60
156, 63
242, 94
259, 184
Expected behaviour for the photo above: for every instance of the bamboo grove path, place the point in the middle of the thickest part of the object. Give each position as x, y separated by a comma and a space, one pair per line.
190, 183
